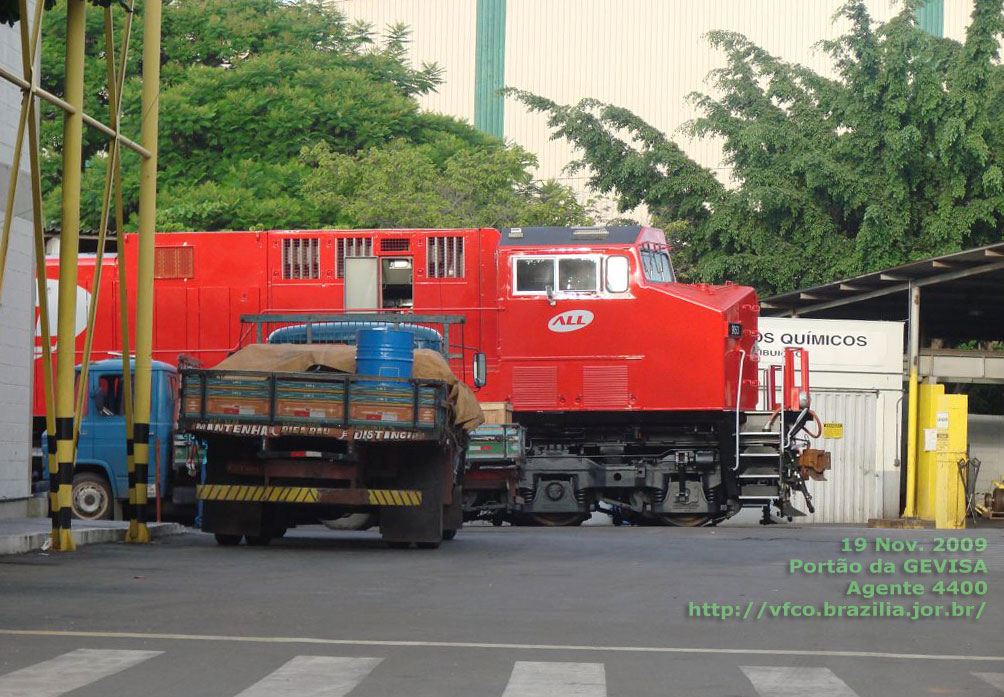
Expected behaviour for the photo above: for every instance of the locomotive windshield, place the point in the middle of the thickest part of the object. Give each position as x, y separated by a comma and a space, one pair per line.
656, 265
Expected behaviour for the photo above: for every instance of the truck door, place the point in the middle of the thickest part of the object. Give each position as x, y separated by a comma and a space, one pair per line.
104, 426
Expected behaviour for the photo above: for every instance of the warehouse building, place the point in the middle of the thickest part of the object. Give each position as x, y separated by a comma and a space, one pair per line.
644, 55
16, 301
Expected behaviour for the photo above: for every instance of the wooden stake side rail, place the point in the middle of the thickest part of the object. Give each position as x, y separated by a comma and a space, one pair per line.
323, 405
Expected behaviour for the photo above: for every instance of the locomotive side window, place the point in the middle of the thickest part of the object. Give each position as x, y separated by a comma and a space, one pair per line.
534, 275
618, 274
577, 274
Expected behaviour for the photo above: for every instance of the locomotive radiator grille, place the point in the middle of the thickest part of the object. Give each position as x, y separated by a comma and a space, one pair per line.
605, 386
534, 386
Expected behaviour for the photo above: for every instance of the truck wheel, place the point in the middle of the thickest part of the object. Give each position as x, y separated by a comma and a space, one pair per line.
258, 540
228, 540
427, 545
449, 534
91, 496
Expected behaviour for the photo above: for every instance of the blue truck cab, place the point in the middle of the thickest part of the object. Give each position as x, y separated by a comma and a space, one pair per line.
100, 478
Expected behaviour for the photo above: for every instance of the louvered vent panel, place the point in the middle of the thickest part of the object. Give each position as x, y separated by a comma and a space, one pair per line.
174, 262
605, 386
301, 258
534, 386
396, 244
445, 257
352, 247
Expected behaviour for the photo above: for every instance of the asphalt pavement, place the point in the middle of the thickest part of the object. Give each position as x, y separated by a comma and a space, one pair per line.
502, 612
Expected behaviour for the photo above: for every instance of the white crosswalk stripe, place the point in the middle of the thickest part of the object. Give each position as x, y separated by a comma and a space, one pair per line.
68, 672
995, 679
313, 676
782, 681
538, 679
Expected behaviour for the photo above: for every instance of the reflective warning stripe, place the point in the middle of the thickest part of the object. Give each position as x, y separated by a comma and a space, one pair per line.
395, 497
296, 494
246, 493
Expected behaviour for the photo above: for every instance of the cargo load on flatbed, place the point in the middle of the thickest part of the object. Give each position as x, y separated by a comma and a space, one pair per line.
295, 436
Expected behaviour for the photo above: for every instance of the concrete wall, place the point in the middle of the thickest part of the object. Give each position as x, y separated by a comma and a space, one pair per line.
17, 299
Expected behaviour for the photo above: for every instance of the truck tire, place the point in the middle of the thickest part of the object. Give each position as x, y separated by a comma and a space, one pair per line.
91, 497
449, 534
228, 540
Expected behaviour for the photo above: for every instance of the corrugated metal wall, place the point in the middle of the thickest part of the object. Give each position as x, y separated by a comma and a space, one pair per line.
852, 492
646, 55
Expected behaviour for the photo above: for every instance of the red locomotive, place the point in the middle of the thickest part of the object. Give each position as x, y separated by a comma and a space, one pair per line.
634, 390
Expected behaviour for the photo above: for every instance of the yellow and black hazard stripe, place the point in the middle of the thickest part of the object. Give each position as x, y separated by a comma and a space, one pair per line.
395, 497
265, 494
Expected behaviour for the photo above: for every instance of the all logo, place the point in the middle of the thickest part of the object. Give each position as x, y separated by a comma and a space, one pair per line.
570, 321
80, 320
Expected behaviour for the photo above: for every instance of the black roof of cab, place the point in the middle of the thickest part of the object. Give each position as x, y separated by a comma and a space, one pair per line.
551, 236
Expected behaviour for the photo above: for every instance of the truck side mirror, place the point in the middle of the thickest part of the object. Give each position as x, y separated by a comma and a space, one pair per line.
480, 367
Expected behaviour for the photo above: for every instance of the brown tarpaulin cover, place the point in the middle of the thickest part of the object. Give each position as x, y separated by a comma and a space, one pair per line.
298, 358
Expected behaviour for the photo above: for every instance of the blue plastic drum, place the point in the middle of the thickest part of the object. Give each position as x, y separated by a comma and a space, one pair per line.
386, 353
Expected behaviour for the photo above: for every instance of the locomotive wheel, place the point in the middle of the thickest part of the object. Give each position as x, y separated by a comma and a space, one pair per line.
555, 520
696, 520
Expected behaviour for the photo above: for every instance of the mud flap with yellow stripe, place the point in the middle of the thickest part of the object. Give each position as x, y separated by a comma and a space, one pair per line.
299, 494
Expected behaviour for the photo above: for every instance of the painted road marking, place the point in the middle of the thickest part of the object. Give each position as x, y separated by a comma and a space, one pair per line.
313, 676
68, 672
538, 679
995, 679
776, 681
486, 645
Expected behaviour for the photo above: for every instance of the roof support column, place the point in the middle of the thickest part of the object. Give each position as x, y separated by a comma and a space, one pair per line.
910, 510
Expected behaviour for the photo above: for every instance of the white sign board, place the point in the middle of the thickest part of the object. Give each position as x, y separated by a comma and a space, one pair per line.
843, 346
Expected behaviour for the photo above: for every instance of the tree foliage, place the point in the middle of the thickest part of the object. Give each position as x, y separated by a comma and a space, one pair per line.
895, 157
245, 88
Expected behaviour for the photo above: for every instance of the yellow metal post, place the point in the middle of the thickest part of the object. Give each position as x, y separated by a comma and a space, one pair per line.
68, 253
138, 531
114, 98
114, 92
910, 510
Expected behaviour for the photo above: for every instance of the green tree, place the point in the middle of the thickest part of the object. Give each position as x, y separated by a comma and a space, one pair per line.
246, 86
895, 158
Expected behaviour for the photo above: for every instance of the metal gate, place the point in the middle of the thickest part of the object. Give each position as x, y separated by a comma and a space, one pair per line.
853, 490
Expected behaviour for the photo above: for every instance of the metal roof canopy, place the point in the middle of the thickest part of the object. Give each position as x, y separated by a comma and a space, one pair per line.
962, 296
